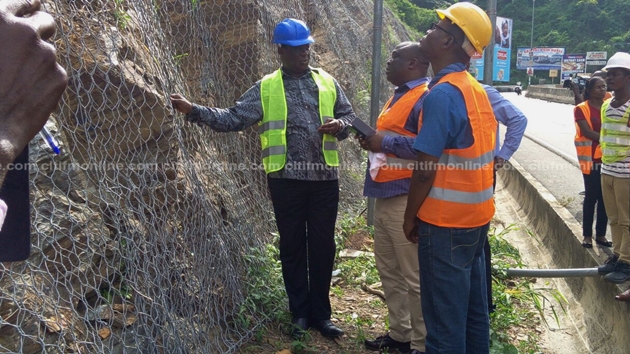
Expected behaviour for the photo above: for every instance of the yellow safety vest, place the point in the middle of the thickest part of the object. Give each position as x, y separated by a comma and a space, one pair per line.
273, 127
614, 137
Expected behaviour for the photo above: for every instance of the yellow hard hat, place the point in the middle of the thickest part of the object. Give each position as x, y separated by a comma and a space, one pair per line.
472, 20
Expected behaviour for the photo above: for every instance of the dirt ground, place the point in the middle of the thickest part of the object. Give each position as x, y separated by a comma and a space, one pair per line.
354, 303
357, 303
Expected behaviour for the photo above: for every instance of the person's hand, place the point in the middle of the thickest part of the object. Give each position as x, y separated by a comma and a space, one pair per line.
498, 163
374, 143
31, 81
410, 228
330, 126
362, 143
181, 104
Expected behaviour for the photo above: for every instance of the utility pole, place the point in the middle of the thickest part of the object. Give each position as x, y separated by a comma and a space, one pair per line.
489, 52
531, 46
376, 83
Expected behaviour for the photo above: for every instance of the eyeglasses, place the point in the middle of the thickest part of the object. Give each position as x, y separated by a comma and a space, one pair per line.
435, 25
299, 49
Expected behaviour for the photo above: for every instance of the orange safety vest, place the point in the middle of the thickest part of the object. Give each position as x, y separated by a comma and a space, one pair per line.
462, 193
607, 95
584, 145
391, 122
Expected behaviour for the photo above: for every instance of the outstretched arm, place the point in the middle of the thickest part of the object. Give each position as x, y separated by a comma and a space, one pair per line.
247, 112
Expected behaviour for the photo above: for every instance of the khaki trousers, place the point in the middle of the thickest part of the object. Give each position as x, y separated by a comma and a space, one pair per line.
398, 267
616, 193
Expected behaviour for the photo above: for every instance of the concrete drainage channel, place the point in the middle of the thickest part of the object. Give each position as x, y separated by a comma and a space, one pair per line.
604, 323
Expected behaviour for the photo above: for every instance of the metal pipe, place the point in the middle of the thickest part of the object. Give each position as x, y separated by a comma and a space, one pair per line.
376, 83
552, 273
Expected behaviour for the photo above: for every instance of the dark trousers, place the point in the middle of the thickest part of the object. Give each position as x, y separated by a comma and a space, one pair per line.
488, 258
593, 196
306, 212
488, 269
15, 237
453, 287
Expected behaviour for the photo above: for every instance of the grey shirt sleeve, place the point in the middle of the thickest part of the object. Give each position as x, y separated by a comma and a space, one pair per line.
247, 112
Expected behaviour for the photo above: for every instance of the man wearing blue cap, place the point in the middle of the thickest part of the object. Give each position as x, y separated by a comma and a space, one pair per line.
301, 113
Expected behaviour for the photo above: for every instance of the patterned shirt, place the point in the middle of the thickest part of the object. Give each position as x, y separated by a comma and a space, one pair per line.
305, 157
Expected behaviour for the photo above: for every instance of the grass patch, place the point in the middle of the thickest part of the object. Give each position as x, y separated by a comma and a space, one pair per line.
519, 305
264, 292
514, 325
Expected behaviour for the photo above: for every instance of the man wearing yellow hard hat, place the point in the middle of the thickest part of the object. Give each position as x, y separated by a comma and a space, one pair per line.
450, 201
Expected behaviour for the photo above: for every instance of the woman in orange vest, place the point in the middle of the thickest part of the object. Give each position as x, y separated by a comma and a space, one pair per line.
587, 125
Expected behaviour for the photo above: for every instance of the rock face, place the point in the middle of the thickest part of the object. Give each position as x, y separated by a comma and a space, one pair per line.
145, 226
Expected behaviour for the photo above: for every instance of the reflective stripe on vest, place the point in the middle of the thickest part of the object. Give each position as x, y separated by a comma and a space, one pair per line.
614, 136
462, 193
584, 145
391, 122
448, 161
273, 127
461, 197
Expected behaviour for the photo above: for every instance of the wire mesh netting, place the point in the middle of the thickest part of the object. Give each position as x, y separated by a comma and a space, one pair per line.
142, 226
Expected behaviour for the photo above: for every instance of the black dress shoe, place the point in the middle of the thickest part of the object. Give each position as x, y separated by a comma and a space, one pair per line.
299, 327
327, 328
384, 342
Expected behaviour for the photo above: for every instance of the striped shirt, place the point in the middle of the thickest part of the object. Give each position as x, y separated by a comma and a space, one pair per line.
620, 169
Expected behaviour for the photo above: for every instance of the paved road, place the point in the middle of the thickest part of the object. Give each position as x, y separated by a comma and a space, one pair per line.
554, 163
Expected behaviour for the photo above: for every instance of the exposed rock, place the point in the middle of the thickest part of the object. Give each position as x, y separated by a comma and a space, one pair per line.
141, 200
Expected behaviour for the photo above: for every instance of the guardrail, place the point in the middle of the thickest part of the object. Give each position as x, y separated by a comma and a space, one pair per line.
550, 93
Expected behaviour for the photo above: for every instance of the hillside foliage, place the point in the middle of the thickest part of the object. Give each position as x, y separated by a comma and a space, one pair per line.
577, 25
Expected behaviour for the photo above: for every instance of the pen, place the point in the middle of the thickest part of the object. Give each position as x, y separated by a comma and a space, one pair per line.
48, 138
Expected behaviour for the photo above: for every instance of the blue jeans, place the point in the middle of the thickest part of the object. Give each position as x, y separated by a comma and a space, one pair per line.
453, 287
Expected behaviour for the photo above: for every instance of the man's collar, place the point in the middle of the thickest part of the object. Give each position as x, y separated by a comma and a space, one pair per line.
451, 68
307, 72
412, 84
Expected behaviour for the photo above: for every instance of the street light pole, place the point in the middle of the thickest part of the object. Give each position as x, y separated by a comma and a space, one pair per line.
376, 83
489, 52
531, 45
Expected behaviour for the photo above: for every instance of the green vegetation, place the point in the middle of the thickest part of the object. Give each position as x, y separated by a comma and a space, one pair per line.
520, 305
579, 26
264, 288
179, 57
417, 19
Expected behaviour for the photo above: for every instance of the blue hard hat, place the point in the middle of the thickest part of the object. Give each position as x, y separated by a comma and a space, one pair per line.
292, 32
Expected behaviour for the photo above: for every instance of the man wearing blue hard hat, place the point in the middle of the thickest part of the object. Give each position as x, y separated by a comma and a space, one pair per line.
301, 113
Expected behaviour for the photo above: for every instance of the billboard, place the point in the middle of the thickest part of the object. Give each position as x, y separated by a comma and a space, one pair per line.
540, 58
476, 66
596, 58
573, 64
502, 49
